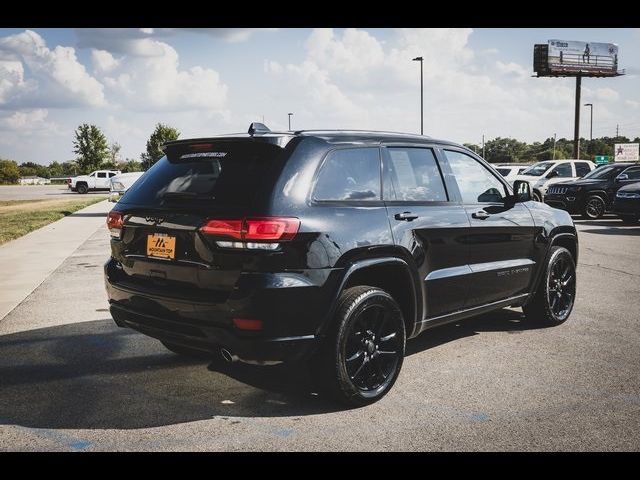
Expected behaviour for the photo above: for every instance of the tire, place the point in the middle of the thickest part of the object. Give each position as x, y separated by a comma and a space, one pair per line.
628, 219
348, 365
594, 208
554, 299
82, 188
535, 196
188, 352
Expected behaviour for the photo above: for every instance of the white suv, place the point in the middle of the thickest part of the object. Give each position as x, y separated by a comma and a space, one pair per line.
543, 174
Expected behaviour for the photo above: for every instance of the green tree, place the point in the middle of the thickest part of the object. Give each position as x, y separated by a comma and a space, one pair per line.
70, 168
505, 150
33, 169
114, 157
9, 172
91, 146
161, 135
130, 165
56, 169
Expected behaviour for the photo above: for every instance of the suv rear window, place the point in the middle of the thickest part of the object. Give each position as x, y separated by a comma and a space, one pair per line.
224, 174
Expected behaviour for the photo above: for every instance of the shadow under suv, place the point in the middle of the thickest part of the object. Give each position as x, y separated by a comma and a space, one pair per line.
329, 246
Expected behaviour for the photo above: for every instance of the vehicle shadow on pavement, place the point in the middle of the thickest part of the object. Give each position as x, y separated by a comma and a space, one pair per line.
505, 320
94, 375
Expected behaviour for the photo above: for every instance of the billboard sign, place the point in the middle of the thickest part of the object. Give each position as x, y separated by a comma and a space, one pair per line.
567, 56
626, 152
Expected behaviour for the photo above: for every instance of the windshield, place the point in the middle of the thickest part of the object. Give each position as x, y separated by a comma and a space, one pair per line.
537, 169
602, 172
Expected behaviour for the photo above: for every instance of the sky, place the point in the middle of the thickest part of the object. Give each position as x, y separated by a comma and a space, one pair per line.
214, 81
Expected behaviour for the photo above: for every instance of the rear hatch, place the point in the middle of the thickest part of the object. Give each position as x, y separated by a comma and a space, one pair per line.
162, 249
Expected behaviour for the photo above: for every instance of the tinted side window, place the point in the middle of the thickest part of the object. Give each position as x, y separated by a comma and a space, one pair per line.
582, 168
633, 173
102, 174
415, 175
112, 174
476, 183
349, 174
563, 170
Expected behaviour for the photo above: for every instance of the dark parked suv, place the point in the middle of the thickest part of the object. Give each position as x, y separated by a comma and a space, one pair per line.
329, 246
592, 195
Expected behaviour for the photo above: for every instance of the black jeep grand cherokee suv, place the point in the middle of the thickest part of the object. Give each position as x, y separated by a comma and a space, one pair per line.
592, 195
332, 246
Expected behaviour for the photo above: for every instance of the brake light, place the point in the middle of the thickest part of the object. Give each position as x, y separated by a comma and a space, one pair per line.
223, 228
277, 228
266, 229
114, 223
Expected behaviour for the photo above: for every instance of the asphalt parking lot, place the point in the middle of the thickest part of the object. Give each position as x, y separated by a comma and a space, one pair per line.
37, 192
71, 380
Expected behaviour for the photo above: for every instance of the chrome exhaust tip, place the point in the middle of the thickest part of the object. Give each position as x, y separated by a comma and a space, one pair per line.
228, 356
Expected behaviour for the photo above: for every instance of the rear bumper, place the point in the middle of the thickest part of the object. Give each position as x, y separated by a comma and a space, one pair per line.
213, 339
291, 317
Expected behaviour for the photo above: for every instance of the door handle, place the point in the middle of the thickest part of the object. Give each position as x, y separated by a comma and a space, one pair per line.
481, 215
408, 216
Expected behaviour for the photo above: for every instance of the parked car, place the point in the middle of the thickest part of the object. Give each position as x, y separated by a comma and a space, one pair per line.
329, 246
98, 180
543, 174
592, 195
120, 183
511, 170
627, 203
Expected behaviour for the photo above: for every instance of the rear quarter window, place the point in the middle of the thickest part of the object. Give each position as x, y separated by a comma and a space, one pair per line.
351, 174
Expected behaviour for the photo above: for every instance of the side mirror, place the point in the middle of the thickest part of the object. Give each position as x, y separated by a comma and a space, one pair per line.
622, 176
552, 173
521, 191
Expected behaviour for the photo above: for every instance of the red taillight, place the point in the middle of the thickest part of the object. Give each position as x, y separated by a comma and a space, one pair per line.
114, 223
247, 324
223, 228
269, 229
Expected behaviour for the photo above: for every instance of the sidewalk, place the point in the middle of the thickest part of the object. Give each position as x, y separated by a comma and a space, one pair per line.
27, 261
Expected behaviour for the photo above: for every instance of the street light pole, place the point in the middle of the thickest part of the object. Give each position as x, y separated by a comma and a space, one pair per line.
289, 114
420, 59
554, 146
590, 105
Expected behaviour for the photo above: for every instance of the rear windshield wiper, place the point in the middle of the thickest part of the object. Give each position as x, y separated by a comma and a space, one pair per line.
188, 196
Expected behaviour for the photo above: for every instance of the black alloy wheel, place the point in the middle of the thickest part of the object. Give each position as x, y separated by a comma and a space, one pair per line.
372, 349
553, 300
362, 354
561, 287
594, 208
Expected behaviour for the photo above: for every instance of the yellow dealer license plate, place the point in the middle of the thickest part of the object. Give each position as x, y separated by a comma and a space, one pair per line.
161, 245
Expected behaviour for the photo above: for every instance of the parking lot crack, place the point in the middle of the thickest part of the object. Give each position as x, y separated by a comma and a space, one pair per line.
608, 268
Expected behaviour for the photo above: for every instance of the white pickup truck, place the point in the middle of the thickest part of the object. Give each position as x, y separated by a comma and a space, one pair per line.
98, 180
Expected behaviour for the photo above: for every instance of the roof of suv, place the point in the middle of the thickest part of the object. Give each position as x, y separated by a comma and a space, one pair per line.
330, 136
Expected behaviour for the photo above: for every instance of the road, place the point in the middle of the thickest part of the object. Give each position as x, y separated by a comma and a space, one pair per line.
71, 380
38, 192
